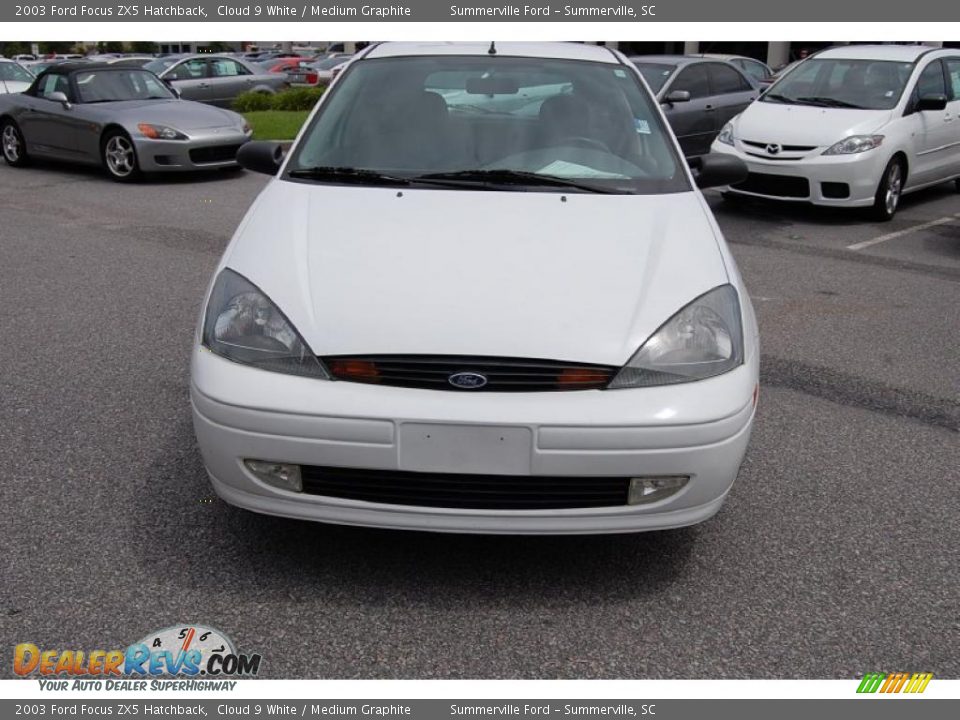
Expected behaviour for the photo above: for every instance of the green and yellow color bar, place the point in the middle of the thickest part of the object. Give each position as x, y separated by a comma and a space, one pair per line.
894, 682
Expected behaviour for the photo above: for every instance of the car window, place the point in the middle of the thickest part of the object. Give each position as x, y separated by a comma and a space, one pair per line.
953, 72
842, 82
14, 73
195, 69
725, 80
51, 83
656, 74
756, 70
224, 67
95, 86
440, 114
931, 81
694, 80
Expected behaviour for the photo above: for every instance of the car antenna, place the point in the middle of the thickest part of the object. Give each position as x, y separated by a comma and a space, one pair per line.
493, 49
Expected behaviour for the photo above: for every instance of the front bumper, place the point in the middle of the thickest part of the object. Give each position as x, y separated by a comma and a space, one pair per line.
833, 180
697, 429
208, 150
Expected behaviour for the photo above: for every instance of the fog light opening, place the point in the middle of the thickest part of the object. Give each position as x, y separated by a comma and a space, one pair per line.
284, 476
646, 490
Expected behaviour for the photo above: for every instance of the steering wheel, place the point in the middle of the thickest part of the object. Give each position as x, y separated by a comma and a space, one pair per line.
584, 142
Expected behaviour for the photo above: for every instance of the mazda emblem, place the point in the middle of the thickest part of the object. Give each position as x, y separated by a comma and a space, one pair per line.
774, 149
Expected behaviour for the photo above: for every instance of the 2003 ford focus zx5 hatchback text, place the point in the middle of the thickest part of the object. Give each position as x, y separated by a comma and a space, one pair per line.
482, 293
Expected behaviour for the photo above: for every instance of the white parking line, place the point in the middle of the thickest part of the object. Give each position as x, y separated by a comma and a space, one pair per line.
900, 233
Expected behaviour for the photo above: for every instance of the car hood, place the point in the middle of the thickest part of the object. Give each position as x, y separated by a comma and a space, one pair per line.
12, 86
180, 114
581, 277
770, 122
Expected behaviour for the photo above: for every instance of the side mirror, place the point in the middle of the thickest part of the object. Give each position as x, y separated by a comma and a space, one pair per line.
261, 156
677, 96
60, 98
718, 170
932, 102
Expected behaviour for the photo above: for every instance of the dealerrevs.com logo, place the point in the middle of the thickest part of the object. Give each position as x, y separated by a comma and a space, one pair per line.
186, 652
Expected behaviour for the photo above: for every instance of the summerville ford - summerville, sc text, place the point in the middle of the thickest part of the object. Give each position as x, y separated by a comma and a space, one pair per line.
330, 11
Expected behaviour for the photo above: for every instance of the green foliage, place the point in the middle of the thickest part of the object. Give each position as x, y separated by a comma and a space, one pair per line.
296, 99
253, 102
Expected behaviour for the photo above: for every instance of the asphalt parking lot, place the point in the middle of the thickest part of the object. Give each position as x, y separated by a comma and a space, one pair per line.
835, 555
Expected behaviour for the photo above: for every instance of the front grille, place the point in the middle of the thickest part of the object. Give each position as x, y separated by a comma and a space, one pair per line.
783, 148
775, 185
434, 372
770, 157
214, 154
477, 492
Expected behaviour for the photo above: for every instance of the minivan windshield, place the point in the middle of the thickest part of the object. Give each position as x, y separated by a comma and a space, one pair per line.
843, 83
498, 122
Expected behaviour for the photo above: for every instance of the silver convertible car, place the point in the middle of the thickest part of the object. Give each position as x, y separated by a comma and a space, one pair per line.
125, 119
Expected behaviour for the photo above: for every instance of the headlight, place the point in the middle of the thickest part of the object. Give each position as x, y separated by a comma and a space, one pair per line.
854, 144
726, 135
702, 340
242, 324
246, 128
160, 132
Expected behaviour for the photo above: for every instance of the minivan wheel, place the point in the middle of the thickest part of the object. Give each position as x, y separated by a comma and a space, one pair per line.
119, 156
13, 145
887, 199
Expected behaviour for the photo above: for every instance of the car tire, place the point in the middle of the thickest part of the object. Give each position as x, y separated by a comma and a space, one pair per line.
889, 191
13, 145
119, 156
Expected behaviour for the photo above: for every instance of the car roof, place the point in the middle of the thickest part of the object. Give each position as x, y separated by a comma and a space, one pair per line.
557, 50
902, 53
672, 59
71, 66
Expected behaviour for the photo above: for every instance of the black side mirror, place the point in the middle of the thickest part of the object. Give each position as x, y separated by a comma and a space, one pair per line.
676, 96
261, 156
718, 170
932, 102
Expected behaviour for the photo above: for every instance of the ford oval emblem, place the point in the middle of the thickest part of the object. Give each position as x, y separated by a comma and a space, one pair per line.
467, 380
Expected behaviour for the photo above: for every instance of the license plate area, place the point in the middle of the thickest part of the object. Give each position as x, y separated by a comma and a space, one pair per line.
479, 449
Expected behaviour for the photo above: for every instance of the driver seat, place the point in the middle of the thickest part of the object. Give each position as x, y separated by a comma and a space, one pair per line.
563, 116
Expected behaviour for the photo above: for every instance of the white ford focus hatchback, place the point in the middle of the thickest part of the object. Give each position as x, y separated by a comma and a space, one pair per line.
854, 126
482, 294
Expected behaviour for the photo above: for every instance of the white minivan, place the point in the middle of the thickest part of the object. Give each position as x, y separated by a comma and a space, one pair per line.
853, 126
481, 293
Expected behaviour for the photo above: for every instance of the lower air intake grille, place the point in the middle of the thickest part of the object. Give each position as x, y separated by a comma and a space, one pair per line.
775, 185
469, 374
478, 492
214, 154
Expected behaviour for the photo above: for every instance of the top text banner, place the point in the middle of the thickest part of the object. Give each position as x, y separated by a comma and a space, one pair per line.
644, 11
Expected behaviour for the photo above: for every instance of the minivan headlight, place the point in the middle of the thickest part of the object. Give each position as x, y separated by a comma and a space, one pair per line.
854, 144
726, 135
703, 339
242, 324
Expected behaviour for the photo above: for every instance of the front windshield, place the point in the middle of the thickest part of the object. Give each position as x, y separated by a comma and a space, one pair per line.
501, 118
108, 85
858, 84
14, 73
656, 74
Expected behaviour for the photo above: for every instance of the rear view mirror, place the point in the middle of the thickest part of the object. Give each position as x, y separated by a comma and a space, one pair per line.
677, 96
932, 102
717, 170
60, 98
261, 156
492, 86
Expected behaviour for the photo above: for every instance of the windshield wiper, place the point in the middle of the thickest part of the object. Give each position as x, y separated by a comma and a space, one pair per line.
779, 98
512, 177
829, 102
347, 174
